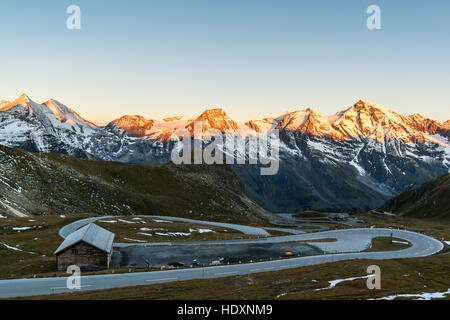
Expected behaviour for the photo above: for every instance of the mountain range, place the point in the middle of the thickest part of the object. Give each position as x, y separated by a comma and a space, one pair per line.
353, 160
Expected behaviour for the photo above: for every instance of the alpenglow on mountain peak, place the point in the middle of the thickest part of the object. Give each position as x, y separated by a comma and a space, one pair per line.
22, 100
365, 153
214, 119
363, 120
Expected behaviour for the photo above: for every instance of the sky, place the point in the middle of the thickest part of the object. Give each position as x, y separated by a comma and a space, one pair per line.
254, 58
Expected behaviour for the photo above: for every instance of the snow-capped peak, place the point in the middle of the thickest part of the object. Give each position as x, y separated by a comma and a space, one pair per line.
214, 119
4, 103
23, 100
65, 114
363, 120
446, 124
51, 110
133, 125
266, 124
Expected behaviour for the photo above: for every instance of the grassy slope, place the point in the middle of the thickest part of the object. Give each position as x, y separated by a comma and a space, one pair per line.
133, 230
434, 228
384, 244
431, 200
38, 243
52, 183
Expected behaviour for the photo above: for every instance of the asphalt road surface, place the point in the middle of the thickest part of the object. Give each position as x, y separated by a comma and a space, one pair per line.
205, 255
348, 240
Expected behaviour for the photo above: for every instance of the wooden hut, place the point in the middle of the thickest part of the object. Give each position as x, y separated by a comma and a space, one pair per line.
89, 248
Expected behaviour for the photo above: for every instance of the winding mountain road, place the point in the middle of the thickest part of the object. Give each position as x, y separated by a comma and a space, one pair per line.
349, 241
68, 229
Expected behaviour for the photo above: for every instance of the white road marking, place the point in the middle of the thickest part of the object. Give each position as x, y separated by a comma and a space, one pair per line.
165, 279
232, 272
81, 287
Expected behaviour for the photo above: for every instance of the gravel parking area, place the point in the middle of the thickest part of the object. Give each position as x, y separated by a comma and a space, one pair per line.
160, 256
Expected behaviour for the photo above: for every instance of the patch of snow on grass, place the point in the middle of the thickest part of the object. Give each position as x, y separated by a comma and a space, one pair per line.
333, 283
419, 296
145, 234
151, 229
16, 249
21, 228
173, 234
201, 230
162, 221
205, 230
125, 221
134, 240
401, 242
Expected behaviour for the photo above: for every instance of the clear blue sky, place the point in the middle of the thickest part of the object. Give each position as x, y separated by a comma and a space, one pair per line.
255, 58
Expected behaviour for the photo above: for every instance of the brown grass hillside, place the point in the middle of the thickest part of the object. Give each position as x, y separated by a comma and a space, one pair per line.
431, 200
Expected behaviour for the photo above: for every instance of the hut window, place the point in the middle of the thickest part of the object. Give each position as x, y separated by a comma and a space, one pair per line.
89, 250
74, 251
